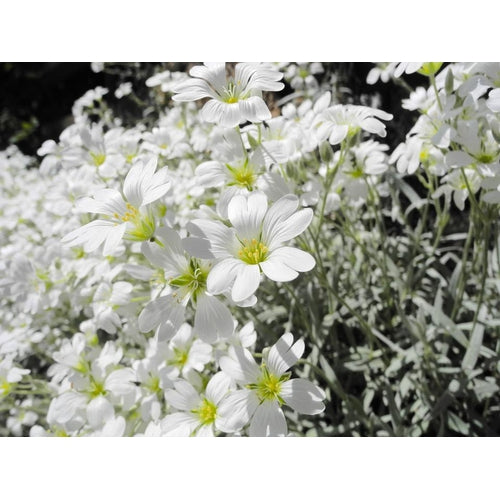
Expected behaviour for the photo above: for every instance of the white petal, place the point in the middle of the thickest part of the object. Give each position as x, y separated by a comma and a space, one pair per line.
63, 408
493, 101
113, 239
218, 387
90, 235
246, 282
178, 425
222, 275
246, 214
294, 258
241, 366
184, 397
205, 431
254, 109
132, 184
231, 115
197, 247
154, 313
278, 212
268, 420
223, 242
338, 134
210, 174
99, 410
290, 228
114, 427
236, 410
159, 186
121, 382
276, 270
456, 159
303, 396
284, 354
212, 319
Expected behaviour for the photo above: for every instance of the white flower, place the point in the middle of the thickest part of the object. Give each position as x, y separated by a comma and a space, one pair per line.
382, 71
123, 89
107, 298
183, 354
186, 279
233, 100
9, 374
198, 412
255, 244
232, 168
265, 389
340, 121
127, 214
407, 67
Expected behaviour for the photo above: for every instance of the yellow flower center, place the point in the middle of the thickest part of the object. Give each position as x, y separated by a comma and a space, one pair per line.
243, 175
4, 386
96, 389
154, 384
180, 358
130, 215
253, 252
206, 413
98, 158
233, 93
143, 224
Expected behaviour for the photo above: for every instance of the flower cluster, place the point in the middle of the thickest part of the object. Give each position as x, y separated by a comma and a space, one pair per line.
227, 268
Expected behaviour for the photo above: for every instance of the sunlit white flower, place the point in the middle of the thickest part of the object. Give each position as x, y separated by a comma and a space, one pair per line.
232, 168
127, 214
254, 244
265, 389
183, 354
232, 99
197, 412
185, 281
340, 121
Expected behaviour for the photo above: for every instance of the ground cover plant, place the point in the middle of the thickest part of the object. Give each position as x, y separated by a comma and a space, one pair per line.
257, 250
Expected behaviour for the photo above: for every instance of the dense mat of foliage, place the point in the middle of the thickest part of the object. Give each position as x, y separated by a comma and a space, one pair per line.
243, 249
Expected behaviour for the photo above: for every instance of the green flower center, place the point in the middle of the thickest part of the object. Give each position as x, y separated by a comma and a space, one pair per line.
485, 158
154, 384
356, 172
98, 158
96, 389
268, 386
193, 282
303, 73
180, 358
4, 386
206, 413
243, 175
253, 252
